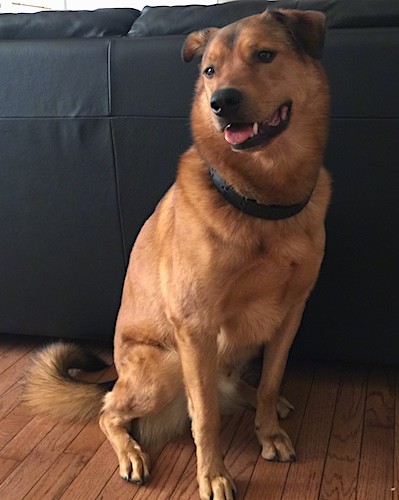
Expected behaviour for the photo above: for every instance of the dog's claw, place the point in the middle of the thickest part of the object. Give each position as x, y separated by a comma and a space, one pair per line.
139, 482
144, 480
276, 458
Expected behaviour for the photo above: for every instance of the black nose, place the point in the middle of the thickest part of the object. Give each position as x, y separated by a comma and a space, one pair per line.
224, 102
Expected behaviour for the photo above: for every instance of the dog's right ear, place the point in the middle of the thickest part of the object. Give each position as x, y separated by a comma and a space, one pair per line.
196, 42
306, 28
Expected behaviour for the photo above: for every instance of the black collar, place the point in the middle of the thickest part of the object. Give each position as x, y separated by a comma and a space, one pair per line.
252, 207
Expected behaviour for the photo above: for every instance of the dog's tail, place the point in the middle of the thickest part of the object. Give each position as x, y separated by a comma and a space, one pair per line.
50, 389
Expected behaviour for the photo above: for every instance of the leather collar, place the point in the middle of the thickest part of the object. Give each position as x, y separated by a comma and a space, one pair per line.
252, 207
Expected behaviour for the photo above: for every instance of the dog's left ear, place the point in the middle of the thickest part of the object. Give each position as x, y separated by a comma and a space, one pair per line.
307, 28
196, 42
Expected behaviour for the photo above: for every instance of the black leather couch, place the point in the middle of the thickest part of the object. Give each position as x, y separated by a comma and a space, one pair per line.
94, 112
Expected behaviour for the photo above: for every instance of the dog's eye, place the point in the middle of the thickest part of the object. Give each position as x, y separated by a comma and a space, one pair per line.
209, 71
265, 56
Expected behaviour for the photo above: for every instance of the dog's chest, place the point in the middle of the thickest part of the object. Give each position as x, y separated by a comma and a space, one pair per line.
258, 296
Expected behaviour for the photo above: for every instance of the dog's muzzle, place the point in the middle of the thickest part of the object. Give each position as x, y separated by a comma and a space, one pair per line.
239, 131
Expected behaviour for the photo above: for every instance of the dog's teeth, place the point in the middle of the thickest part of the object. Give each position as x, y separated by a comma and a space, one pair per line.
255, 128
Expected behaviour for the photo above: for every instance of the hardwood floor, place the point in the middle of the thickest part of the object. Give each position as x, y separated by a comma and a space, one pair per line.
345, 427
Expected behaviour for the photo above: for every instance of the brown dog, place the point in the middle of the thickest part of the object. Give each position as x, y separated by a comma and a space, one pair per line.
227, 261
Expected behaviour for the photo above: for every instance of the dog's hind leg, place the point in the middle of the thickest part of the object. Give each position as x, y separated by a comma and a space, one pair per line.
134, 464
148, 383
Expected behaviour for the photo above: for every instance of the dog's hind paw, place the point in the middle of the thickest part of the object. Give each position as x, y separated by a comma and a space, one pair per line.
284, 408
134, 465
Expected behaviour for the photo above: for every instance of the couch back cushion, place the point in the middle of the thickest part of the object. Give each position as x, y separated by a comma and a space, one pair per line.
181, 20
156, 21
67, 24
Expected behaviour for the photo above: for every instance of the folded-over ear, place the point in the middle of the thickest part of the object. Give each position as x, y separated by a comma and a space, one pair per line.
307, 28
196, 42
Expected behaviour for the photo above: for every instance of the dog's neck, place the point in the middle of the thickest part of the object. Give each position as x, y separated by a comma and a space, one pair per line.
252, 207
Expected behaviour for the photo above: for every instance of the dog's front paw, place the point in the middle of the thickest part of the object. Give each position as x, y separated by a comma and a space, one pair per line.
217, 487
134, 464
277, 446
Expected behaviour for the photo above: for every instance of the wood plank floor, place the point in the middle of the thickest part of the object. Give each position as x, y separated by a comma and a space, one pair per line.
345, 428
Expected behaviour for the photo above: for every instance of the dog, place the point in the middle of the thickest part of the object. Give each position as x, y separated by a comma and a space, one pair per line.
225, 264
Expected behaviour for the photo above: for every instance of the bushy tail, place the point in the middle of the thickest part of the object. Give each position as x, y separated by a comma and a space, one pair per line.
51, 390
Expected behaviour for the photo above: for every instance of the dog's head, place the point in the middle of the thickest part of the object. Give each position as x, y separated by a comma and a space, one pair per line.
258, 75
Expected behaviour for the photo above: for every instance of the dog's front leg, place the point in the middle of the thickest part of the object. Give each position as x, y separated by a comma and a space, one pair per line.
276, 445
198, 353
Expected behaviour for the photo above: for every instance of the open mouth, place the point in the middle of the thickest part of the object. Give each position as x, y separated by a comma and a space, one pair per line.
249, 135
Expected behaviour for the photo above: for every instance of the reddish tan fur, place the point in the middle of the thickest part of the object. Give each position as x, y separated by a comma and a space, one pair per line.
208, 285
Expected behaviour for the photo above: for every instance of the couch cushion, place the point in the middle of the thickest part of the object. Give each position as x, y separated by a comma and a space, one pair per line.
156, 21
62, 259
64, 78
67, 24
180, 20
150, 79
355, 13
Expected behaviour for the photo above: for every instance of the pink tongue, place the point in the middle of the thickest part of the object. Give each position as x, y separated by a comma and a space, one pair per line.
237, 134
